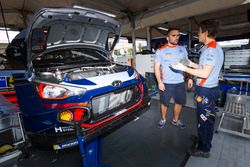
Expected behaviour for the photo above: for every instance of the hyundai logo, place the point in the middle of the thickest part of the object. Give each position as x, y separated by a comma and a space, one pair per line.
116, 83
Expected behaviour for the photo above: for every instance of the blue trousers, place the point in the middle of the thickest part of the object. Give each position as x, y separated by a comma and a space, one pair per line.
206, 111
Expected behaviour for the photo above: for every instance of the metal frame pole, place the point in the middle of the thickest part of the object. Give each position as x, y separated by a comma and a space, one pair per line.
149, 38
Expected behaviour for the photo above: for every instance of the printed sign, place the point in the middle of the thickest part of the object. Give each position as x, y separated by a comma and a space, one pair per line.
6, 82
3, 82
10, 82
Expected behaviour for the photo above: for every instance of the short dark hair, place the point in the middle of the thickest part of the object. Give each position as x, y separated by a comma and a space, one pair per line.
172, 29
211, 26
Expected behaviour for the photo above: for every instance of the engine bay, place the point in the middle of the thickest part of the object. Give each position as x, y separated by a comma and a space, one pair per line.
79, 73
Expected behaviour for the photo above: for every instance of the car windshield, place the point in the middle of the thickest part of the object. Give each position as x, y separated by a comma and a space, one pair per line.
70, 57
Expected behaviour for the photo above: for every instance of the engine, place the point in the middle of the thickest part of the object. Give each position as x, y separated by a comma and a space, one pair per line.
80, 73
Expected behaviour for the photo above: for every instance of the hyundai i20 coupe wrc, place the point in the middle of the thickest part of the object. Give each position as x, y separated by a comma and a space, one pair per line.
70, 76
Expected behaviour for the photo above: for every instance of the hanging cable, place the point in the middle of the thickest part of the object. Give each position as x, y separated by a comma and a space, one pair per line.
4, 22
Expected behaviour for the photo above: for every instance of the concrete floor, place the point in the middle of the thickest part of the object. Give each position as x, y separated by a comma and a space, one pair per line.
141, 144
138, 144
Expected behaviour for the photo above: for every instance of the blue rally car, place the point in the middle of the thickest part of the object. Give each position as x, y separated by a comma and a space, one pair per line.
70, 77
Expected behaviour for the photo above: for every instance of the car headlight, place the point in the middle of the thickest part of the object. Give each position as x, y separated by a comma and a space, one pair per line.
55, 92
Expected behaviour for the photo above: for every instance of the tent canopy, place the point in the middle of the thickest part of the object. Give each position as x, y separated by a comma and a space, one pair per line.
234, 15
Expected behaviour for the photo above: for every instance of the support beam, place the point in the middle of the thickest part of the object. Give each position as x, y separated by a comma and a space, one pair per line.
131, 18
4, 22
134, 46
179, 11
190, 36
149, 38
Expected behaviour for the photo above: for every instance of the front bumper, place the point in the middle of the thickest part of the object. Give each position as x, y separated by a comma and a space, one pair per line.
67, 140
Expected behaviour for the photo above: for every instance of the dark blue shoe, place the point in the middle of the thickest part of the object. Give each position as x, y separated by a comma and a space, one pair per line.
198, 153
178, 124
161, 123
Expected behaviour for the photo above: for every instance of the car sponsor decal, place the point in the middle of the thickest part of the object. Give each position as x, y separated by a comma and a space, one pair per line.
6, 82
199, 99
3, 82
203, 117
67, 144
10, 82
61, 129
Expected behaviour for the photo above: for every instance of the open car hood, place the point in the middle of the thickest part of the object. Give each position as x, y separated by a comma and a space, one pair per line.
55, 28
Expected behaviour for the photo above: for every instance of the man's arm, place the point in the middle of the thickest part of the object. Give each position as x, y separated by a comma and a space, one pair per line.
158, 76
202, 73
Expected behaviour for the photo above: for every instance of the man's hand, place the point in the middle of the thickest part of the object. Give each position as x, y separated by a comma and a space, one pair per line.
178, 66
186, 62
190, 83
161, 86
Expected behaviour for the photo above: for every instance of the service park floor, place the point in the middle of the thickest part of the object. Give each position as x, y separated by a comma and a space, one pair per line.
141, 144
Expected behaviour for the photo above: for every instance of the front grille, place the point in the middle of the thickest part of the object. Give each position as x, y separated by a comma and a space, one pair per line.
114, 101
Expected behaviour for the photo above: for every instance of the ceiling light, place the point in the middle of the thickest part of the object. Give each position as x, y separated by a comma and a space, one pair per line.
162, 28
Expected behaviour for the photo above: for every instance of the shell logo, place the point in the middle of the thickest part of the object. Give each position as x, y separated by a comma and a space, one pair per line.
199, 99
66, 116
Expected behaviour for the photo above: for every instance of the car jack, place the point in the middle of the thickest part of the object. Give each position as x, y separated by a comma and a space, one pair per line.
91, 151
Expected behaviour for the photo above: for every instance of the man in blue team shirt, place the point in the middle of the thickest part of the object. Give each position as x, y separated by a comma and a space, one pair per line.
171, 82
207, 72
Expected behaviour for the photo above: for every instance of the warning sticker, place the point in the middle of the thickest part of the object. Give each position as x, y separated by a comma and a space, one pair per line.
6, 82
3, 82
10, 82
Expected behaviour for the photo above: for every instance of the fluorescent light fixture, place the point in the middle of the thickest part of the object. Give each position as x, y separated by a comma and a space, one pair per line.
162, 28
234, 43
2, 28
246, 1
108, 14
